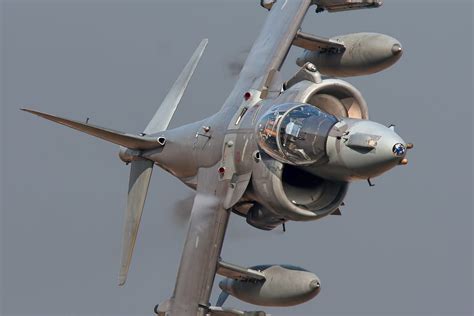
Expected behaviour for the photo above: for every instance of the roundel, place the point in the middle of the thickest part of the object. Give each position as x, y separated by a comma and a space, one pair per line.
399, 150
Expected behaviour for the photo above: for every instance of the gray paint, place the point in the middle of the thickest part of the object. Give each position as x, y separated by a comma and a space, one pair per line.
363, 54
281, 287
139, 181
216, 184
349, 163
445, 246
202, 247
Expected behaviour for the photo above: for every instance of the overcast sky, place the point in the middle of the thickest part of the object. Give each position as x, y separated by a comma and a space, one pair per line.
403, 247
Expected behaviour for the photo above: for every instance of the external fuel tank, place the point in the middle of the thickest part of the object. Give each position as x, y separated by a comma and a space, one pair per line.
364, 54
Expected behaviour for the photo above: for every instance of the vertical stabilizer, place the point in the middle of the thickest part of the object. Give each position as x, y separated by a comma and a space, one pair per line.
163, 115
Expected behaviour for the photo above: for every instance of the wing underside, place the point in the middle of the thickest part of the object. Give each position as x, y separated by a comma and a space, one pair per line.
202, 246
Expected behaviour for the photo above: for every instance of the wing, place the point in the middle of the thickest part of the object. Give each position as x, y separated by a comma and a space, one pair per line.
203, 244
261, 69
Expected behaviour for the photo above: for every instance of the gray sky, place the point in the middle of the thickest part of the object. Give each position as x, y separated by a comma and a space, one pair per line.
403, 247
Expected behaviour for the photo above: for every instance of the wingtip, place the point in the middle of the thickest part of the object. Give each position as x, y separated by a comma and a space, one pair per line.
204, 43
31, 111
122, 280
41, 114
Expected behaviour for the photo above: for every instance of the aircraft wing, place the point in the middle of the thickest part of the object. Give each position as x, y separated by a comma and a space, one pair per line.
262, 67
282, 30
235, 272
203, 244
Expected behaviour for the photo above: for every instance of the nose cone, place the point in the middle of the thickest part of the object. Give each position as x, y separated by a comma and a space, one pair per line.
383, 49
372, 149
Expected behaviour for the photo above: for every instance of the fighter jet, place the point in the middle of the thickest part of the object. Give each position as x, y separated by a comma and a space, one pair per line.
279, 150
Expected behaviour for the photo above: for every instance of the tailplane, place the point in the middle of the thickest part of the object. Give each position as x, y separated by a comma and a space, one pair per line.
141, 168
116, 137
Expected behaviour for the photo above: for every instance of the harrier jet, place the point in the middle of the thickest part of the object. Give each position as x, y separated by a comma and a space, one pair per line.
279, 150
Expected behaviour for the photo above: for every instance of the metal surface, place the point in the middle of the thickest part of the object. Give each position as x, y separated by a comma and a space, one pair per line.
221, 158
119, 138
316, 43
282, 286
235, 272
363, 54
140, 174
203, 244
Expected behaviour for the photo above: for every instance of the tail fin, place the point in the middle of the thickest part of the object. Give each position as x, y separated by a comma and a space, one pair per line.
163, 115
119, 138
141, 169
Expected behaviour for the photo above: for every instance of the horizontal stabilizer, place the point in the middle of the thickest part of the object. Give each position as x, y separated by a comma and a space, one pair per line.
140, 174
119, 138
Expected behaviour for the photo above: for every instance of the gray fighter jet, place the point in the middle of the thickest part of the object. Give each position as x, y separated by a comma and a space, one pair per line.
280, 149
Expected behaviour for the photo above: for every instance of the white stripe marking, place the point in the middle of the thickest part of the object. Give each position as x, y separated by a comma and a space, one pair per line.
245, 147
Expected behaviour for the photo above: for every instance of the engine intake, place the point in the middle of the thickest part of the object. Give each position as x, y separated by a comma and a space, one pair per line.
282, 192
333, 96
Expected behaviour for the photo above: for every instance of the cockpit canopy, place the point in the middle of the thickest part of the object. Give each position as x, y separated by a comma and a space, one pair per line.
295, 133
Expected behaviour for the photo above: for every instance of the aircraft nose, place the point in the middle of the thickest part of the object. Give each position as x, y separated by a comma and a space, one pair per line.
372, 149
399, 150
391, 146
